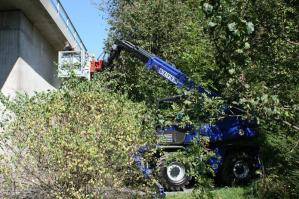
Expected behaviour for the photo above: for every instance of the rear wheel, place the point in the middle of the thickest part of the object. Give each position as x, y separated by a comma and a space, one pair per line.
173, 175
237, 169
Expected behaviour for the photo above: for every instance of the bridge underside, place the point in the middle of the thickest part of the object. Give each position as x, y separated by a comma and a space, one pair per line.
40, 14
31, 34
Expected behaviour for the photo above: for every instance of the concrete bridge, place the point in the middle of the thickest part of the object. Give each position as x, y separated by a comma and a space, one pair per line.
31, 34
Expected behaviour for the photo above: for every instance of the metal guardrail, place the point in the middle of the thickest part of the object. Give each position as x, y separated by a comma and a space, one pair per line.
67, 21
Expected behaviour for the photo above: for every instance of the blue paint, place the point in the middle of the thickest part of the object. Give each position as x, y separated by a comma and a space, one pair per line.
167, 71
227, 129
174, 75
217, 160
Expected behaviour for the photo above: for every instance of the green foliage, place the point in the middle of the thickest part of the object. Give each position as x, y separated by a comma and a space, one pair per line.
246, 50
256, 55
256, 47
166, 28
191, 109
196, 165
74, 142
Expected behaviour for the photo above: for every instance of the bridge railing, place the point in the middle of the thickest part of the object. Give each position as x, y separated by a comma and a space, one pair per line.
67, 21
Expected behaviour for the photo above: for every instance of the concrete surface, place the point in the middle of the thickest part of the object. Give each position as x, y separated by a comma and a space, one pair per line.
26, 57
45, 18
31, 34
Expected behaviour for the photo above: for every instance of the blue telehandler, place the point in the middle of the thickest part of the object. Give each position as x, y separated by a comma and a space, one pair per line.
236, 158
232, 139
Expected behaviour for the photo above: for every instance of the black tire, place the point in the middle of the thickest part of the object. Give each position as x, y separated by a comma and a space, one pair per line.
237, 169
172, 176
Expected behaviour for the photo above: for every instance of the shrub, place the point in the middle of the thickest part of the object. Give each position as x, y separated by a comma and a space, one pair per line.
73, 142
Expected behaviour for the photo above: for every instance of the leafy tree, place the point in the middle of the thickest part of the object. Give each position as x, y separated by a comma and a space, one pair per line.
256, 47
168, 29
246, 50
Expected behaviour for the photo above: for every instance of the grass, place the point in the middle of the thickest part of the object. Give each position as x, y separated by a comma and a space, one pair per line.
231, 193
221, 193
179, 196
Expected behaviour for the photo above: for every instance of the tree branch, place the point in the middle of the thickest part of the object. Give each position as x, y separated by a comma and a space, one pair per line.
291, 125
293, 42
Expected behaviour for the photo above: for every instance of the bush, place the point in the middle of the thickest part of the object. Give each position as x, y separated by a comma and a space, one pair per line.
73, 142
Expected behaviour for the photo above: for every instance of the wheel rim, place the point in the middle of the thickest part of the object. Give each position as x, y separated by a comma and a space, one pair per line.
176, 172
241, 170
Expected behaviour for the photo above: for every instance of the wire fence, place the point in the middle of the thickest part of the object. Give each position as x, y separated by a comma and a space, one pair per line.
67, 21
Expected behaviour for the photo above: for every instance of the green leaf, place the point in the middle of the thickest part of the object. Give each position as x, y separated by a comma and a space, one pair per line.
232, 27
240, 51
232, 71
212, 24
246, 46
249, 27
208, 8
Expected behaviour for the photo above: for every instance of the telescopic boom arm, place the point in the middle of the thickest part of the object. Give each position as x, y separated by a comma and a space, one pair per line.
153, 62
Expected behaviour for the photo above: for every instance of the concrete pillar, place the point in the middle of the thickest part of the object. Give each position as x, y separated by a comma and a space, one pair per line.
26, 57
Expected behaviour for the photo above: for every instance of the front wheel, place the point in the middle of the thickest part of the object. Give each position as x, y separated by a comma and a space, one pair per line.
173, 175
238, 169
